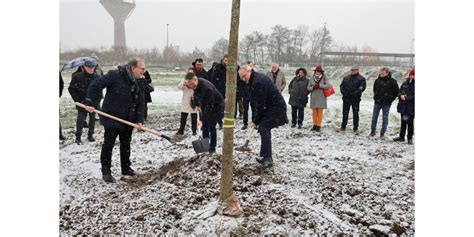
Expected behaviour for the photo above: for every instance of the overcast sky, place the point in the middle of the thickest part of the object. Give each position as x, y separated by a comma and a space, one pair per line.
387, 26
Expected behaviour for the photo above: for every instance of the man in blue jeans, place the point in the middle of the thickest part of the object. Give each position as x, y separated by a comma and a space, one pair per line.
211, 104
385, 92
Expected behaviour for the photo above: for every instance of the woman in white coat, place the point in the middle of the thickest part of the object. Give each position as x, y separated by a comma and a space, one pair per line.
187, 107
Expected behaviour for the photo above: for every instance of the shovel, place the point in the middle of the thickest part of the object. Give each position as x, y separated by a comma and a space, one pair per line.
202, 144
126, 122
246, 147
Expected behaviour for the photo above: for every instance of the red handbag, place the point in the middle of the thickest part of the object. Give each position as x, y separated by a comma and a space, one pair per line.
329, 92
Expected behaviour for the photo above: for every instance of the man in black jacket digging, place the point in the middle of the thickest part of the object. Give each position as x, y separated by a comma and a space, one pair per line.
270, 110
211, 103
123, 99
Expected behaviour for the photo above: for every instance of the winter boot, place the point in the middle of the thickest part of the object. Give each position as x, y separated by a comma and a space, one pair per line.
382, 136
293, 126
260, 161
266, 164
340, 129
78, 140
128, 171
318, 129
108, 178
399, 139
244, 127
62, 137
356, 131
372, 133
91, 138
314, 128
410, 141
300, 126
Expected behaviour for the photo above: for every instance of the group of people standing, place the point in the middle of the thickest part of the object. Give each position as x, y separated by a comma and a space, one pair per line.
352, 86
129, 86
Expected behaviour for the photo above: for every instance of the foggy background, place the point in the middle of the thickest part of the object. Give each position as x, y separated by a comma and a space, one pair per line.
386, 26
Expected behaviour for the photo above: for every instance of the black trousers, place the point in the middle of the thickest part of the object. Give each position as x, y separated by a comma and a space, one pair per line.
110, 134
145, 111
81, 117
247, 102
297, 114
239, 106
184, 118
407, 121
347, 103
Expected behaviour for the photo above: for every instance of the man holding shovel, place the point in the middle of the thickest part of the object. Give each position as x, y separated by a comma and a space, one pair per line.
270, 110
124, 100
211, 104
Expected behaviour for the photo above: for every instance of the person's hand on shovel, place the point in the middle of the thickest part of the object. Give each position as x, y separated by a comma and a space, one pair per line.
90, 109
199, 124
253, 125
139, 127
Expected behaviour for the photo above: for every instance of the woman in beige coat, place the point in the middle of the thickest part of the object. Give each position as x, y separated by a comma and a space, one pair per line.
317, 83
187, 104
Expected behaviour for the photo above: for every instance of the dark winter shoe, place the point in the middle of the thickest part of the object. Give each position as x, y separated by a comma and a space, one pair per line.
410, 141
260, 161
180, 132
244, 127
314, 128
129, 172
194, 133
212, 151
78, 140
293, 125
382, 136
399, 139
62, 137
372, 133
108, 178
356, 131
300, 126
318, 129
267, 163
90, 138
340, 129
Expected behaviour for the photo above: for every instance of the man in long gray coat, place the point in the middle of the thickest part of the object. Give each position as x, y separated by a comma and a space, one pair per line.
317, 83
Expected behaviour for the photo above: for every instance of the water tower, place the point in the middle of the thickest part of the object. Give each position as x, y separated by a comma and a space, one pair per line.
119, 10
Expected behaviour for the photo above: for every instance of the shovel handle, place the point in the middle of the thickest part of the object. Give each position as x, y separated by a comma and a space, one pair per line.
124, 121
249, 135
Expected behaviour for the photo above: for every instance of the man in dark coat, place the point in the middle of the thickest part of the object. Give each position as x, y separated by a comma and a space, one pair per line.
78, 87
351, 87
146, 85
406, 108
124, 100
211, 104
270, 110
385, 92
198, 68
217, 76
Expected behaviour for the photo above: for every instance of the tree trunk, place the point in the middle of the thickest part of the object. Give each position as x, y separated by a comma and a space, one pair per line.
229, 204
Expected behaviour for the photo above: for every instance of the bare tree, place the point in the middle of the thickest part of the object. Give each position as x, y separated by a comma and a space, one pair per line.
279, 38
219, 48
229, 203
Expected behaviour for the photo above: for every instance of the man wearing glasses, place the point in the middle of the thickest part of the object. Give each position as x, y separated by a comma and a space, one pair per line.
351, 87
125, 100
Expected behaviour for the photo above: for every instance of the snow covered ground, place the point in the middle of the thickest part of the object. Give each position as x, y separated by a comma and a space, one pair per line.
324, 182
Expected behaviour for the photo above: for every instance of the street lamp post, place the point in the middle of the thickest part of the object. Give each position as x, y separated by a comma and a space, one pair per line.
167, 47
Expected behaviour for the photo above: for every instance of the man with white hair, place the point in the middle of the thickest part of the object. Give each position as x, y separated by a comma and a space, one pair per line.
270, 110
277, 76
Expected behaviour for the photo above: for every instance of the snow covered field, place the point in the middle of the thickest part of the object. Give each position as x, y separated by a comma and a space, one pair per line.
324, 182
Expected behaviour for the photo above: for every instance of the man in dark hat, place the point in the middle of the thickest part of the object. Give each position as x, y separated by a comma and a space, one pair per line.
211, 104
80, 82
270, 110
124, 100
